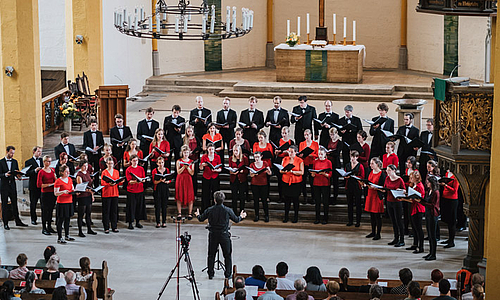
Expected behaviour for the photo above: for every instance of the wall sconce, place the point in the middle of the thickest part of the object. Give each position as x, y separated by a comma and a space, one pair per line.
79, 39
9, 70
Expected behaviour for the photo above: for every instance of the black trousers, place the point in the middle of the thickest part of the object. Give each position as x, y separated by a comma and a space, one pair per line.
418, 232
431, 226
6, 194
280, 182
307, 178
87, 210
208, 188
195, 179
288, 203
260, 193
335, 182
224, 240
450, 217
395, 210
63, 220
94, 162
161, 200
376, 222
48, 203
239, 191
407, 216
322, 194
134, 206
35, 195
354, 198
109, 212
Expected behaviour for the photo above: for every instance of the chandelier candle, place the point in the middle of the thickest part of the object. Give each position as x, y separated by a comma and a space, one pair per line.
228, 18
212, 21
234, 19
158, 23
307, 24
177, 24
203, 24
251, 19
186, 20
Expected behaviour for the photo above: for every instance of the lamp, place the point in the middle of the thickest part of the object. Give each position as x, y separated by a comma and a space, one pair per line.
79, 39
9, 70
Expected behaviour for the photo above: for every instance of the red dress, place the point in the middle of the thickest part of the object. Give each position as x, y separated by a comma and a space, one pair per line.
373, 202
184, 187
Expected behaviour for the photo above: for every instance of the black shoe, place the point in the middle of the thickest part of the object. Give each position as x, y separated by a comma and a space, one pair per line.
34, 223
461, 229
6, 227
81, 234
91, 232
106, 231
190, 217
45, 232
164, 225
394, 242
316, 222
158, 225
377, 237
424, 257
407, 232
130, 226
51, 230
450, 245
411, 235
431, 257
256, 219
295, 220
139, 225
349, 224
400, 244
357, 225
210, 277
426, 238
69, 238
285, 220
445, 242
21, 224
412, 248
418, 251
324, 222
61, 241
266, 219
370, 235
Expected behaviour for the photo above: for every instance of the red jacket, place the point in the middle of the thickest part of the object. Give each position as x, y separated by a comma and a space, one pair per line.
450, 191
242, 176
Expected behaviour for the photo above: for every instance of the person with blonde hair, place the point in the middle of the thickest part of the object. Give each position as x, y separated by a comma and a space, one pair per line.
184, 193
238, 178
159, 147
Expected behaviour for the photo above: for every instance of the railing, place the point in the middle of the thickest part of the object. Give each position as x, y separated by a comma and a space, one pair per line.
458, 7
51, 113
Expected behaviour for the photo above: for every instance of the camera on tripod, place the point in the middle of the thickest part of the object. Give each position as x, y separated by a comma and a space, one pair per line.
185, 239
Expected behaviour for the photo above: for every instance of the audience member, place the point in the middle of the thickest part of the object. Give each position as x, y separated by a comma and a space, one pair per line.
405, 275
3, 273
283, 283
414, 291
433, 289
302, 296
240, 294
239, 283
300, 286
444, 290
373, 275
332, 288
376, 292
7, 291
52, 272
314, 280
85, 273
477, 292
20, 272
475, 279
258, 277
344, 281
30, 284
271, 284
47, 253
59, 293
71, 287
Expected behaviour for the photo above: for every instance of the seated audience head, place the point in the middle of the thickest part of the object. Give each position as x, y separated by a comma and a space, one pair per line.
59, 293
219, 197
437, 275
373, 274
414, 291
344, 275
376, 291
30, 278
302, 296
477, 292
444, 287
239, 282
53, 263
477, 279
300, 284
240, 294
258, 273
22, 260
405, 275
48, 252
85, 265
70, 277
7, 290
271, 284
313, 275
281, 269
332, 287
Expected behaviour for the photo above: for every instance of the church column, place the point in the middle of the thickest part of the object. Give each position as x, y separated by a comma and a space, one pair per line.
403, 50
20, 95
154, 43
84, 18
270, 42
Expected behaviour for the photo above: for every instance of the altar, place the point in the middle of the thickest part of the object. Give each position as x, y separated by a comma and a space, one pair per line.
332, 63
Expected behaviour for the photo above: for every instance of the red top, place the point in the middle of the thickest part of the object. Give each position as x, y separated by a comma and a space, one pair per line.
364, 157
282, 142
450, 190
135, 187
155, 171
242, 176
217, 137
393, 185
260, 179
110, 190
102, 163
269, 147
207, 172
126, 156
164, 146
85, 178
193, 144
321, 180
288, 177
392, 159
65, 198
416, 207
374, 203
433, 203
310, 159
46, 178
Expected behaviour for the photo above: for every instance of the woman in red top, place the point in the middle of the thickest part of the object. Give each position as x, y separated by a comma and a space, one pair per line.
136, 209
214, 138
394, 206
353, 188
240, 141
308, 162
64, 209
321, 185
159, 143
85, 199
285, 139
390, 158
160, 192
195, 146
130, 150
110, 197
374, 198
108, 152
184, 193
260, 189
238, 179
431, 202
449, 205
417, 212
364, 156
210, 180
292, 182
411, 165
334, 147
263, 146
45, 181
64, 160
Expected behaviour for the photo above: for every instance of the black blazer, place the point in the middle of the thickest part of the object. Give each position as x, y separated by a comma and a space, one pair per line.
143, 129
8, 183
173, 136
377, 148
404, 150
200, 128
32, 174
283, 120
334, 156
60, 149
232, 119
350, 136
331, 118
250, 134
88, 142
115, 134
306, 122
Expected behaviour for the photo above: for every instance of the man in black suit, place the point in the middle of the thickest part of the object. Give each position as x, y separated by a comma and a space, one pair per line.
349, 136
404, 151
65, 146
330, 118
146, 129
8, 189
304, 121
200, 125
119, 136
379, 140
253, 120
174, 127
276, 119
93, 141
228, 117
36, 164
426, 137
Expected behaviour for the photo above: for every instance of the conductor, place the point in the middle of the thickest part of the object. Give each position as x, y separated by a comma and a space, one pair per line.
218, 226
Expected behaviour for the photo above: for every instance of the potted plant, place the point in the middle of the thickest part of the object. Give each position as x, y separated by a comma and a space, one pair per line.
292, 39
69, 112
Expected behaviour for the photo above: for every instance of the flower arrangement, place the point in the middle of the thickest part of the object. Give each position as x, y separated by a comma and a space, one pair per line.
69, 111
292, 39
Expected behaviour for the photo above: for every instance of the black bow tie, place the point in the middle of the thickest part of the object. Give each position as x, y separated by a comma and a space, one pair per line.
9, 159
276, 109
251, 111
226, 109
408, 127
120, 127
93, 131
149, 121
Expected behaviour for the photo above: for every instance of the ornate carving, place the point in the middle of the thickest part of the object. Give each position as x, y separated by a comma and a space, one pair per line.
445, 119
475, 120
48, 116
57, 112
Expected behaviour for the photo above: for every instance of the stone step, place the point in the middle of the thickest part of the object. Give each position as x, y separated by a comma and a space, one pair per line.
182, 89
413, 88
419, 95
318, 88
189, 82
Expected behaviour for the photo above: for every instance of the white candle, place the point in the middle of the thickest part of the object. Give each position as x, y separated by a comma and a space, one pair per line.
129, 23
287, 28
334, 23
228, 18
354, 30
176, 24
114, 18
212, 23
244, 18
203, 24
251, 19
186, 21
141, 10
158, 23
298, 26
307, 23
234, 19
345, 27
150, 24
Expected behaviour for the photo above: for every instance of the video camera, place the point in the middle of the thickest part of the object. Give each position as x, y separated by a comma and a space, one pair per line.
185, 239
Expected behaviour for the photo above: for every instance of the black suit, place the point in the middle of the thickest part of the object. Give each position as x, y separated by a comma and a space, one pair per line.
60, 149
200, 127
250, 133
8, 191
144, 129
114, 133
331, 118
349, 137
404, 151
424, 158
35, 192
306, 122
173, 136
282, 120
377, 148
227, 133
89, 142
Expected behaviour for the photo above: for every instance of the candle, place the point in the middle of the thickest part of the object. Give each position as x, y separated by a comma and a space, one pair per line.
158, 23
186, 21
129, 23
334, 23
212, 23
150, 24
287, 28
251, 19
204, 24
298, 26
114, 18
243, 18
354, 30
141, 10
307, 23
345, 27
228, 18
176, 24
234, 19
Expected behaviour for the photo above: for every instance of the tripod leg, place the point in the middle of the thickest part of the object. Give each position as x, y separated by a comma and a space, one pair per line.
169, 277
192, 279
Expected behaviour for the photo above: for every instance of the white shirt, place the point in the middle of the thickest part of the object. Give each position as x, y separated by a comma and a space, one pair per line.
66, 148
226, 112
407, 130
250, 114
276, 114
37, 161
120, 130
429, 138
94, 138
434, 291
149, 122
200, 111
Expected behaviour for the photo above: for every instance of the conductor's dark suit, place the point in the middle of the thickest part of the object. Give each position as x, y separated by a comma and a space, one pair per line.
200, 128
306, 122
35, 192
8, 191
379, 140
248, 117
277, 116
88, 141
331, 118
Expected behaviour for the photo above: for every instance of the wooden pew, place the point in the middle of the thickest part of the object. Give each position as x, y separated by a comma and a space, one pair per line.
26, 296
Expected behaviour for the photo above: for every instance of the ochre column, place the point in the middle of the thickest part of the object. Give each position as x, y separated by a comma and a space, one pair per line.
403, 50
155, 55
270, 39
20, 95
493, 205
84, 17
